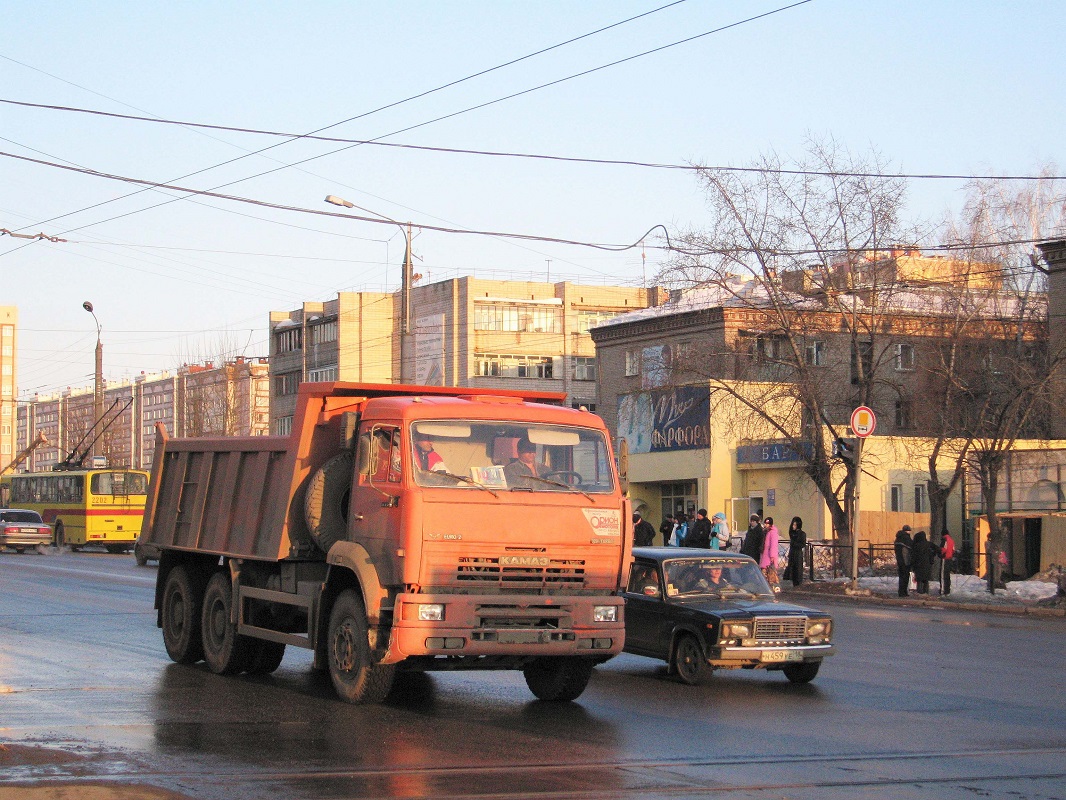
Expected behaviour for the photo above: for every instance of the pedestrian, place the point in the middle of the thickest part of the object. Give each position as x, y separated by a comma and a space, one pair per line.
768, 558
902, 547
947, 561
699, 534
921, 561
643, 532
720, 533
753, 538
797, 545
677, 539
667, 528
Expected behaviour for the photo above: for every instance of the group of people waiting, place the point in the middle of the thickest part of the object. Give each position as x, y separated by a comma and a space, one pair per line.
918, 555
760, 541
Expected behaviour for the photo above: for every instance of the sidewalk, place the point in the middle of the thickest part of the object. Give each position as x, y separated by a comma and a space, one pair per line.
969, 593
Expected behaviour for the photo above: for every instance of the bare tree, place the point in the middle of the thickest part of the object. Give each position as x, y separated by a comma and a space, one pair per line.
799, 247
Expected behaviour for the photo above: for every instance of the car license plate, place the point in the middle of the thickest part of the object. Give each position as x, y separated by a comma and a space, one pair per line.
781, 655
520, 637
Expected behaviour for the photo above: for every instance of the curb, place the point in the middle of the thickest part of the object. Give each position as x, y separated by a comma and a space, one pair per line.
946, 605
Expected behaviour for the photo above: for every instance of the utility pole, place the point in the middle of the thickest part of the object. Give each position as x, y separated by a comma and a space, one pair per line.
405, 305
98, 383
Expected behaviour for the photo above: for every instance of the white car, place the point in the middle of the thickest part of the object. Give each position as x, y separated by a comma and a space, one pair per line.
23, 529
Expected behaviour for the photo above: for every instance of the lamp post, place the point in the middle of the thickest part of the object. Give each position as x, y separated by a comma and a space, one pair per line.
405, 278
98, 384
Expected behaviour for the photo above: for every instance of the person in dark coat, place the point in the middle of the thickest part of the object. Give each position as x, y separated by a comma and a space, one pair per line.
643, 532
667, 528
922, 561
699, 532
797, 544
902, 547
754, 538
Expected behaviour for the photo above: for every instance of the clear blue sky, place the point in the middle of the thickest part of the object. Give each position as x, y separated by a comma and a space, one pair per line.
944, 86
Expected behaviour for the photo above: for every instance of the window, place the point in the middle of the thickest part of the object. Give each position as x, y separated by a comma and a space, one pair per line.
862, 361
322, 374
769, 348
921, 503
530, 318
323, 332
283, 426
584, 369
904, 358
590, 319
904, 415
287, 383
815, 352
588, 406
288, 340
491, 365
632, 363
895, 497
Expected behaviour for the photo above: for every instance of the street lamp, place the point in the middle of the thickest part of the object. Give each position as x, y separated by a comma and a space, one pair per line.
98, 386
405, 278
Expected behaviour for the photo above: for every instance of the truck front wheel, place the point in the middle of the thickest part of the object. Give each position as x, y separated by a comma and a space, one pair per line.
558, 678
182, 599
355, 677
225, 651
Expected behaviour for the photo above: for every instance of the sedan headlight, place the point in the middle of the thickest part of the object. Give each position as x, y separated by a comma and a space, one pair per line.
605, 613
431, 612
819, 630
735, 630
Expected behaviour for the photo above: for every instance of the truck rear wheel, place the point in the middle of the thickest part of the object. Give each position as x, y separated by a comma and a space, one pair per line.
182, 599
356, 678
558, 678
266, 657
225, 651
326, 501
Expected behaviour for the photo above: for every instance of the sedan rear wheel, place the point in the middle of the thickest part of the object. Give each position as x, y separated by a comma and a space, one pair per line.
689, 661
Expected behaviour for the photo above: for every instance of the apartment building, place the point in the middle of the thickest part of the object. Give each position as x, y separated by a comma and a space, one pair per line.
8, 383
198, 400
461, 332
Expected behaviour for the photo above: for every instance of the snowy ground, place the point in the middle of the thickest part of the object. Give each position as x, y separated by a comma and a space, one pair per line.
969, 588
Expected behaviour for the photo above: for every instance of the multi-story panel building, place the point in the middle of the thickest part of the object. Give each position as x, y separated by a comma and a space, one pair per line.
199, 400
462, 332
8, 383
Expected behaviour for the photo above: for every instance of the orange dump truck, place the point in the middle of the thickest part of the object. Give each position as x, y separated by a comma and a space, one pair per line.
397, 529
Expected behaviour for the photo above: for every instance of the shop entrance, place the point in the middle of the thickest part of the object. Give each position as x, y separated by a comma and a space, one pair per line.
678, 497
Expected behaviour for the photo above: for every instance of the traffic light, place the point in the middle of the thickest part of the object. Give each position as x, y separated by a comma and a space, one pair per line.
846, 450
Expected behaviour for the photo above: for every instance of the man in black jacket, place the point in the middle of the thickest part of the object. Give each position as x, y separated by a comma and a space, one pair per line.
754, 538
643, 532
699, 535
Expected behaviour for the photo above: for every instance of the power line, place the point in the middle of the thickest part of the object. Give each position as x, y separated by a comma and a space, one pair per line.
444, 117
545, 156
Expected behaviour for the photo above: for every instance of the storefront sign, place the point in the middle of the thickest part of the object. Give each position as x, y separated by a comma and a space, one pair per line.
666, 419
773, 453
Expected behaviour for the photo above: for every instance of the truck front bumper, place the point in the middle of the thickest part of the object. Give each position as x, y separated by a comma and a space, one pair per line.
506, 625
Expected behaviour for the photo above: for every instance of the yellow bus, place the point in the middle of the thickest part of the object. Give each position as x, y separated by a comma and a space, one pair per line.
85, 506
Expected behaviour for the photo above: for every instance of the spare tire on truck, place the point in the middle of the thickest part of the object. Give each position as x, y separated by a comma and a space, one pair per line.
326, 501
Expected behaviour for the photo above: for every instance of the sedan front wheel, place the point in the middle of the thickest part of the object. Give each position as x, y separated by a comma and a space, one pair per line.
689, 661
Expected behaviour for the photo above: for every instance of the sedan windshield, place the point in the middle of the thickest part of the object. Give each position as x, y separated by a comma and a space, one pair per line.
717, 577
510, 456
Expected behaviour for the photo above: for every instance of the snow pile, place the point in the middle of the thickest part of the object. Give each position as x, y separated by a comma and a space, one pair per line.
969, 588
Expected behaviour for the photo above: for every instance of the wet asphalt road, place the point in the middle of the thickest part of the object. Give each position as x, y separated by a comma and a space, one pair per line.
918, 703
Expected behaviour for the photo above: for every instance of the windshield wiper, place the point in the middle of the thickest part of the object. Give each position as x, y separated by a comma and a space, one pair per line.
566, 486
465, 479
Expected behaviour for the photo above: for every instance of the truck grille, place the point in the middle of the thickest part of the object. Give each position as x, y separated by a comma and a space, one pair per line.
527, 616
537, 573
781, 629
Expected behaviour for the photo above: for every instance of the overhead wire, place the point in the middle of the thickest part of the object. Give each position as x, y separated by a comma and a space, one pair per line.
547, 156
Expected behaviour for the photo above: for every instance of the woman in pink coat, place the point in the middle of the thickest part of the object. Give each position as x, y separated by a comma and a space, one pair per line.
768, 559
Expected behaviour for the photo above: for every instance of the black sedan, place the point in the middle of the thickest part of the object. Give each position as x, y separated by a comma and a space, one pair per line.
701, 610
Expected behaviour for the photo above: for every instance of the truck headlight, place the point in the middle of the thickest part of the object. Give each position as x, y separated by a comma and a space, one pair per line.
605, 613
431, 612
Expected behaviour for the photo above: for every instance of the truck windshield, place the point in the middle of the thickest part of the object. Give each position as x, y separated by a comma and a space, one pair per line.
510, 456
